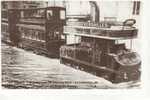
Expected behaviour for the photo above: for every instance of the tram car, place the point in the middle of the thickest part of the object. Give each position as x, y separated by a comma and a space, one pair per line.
99, 52
37, 29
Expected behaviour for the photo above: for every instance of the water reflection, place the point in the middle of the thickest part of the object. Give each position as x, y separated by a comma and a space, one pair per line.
22, 69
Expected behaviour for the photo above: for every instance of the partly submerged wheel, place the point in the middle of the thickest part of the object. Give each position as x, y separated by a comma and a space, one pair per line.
128, 68
128, 73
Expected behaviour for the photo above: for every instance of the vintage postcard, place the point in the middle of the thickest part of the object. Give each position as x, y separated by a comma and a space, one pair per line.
60, 49
71, 44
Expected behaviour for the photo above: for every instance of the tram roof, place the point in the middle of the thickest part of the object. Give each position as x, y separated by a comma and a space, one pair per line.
101, 28
98, 36
52, 7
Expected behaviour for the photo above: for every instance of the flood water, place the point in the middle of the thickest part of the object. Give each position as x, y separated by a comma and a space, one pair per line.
25, 70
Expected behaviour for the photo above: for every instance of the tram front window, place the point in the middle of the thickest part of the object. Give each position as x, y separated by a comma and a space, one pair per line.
127, 43
49, 14
62, 14
122, 46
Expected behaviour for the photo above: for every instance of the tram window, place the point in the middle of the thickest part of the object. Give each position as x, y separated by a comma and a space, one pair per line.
56, 35
42, 13
26, 32
51, 35
36, 35
39, 36
22, 14
23, 34
62, 14
127, 43
63, 37
42, 36
4, 14
49, 14
31, 35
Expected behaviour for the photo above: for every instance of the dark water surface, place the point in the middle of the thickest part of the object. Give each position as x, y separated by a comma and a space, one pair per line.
26, 70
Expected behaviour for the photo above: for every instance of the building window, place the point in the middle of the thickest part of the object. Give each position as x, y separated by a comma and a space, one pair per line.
136, 8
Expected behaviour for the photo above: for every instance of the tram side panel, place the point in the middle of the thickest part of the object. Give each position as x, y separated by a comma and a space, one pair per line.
105, 57
42, 35
13, 19
32, 38
56, 19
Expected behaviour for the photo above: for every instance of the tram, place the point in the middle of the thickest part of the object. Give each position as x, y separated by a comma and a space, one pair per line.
98, 50
38, 29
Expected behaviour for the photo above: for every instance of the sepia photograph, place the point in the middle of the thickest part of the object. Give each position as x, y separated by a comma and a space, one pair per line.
71, 44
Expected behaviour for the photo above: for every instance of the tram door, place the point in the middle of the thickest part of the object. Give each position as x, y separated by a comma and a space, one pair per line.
13, 19
54, 29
